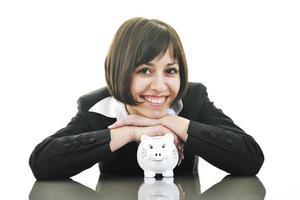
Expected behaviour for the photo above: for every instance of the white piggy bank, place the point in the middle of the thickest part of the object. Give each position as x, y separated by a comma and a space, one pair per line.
157, 155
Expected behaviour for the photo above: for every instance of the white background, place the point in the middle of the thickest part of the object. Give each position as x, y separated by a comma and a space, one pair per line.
245, 52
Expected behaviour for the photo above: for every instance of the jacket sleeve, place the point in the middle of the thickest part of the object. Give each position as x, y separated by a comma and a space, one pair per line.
70, 150
213, 136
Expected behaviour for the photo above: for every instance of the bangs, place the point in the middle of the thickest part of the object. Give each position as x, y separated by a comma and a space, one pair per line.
155, 43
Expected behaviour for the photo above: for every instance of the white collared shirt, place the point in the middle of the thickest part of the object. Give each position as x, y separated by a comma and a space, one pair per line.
110, 107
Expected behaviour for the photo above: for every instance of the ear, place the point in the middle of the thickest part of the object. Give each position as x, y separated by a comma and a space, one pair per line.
144, 138
169, 137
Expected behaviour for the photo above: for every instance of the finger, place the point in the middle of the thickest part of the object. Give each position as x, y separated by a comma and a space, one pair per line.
179, 146
180, 143
127, 121
176, 140
180, 157
122, 122
117, 124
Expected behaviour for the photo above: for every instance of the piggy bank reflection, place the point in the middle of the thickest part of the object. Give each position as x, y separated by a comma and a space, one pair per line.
157, 155
158, 189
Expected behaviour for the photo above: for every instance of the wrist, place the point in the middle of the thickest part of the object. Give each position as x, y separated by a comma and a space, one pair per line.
120, 137
165, 120
179, 125
132, 133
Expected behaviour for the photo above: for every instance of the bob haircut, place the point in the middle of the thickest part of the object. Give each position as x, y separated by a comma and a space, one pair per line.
139, 41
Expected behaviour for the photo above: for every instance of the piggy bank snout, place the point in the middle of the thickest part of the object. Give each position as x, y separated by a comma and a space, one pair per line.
157, 155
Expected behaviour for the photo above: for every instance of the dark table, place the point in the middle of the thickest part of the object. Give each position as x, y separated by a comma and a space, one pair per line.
124, 187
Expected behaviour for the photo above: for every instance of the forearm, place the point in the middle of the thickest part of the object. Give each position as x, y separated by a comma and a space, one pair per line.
229, 149
178, 125
120, 137
66, 156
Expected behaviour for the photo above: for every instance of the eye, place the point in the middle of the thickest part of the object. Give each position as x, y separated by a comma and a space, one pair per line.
171, 70
145, 70
150, 146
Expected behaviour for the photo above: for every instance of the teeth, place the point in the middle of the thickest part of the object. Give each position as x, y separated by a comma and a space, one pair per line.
155, 100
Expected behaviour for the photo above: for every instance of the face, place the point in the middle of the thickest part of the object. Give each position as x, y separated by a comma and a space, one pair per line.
155, 84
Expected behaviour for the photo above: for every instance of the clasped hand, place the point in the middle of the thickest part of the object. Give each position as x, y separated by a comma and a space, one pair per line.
150, 127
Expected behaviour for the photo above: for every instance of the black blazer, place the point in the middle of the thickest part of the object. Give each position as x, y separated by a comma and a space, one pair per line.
85, 142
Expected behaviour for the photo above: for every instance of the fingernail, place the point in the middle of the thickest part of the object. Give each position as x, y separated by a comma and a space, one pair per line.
109, 126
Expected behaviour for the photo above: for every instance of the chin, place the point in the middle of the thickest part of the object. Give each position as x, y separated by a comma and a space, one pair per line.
155, 115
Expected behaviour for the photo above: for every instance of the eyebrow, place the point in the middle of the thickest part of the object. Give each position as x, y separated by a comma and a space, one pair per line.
167, 65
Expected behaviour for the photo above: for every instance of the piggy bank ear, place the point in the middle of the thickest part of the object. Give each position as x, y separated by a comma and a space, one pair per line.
169, 137
144, 138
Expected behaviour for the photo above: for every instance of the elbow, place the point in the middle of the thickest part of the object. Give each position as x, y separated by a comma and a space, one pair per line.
256, 162
252, 161
43, 169
41, 174
39, 169
251, 167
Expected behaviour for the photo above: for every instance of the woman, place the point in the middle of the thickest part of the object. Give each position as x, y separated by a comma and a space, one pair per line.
147, 93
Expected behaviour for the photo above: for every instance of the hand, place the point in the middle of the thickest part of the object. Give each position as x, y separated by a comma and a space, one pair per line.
140, 121
150, 127
177, 125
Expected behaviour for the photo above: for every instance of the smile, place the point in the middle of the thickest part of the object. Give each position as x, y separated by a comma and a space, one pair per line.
155, 100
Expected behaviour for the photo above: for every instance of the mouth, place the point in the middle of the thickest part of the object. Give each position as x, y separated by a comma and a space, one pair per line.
155, 100
157, 161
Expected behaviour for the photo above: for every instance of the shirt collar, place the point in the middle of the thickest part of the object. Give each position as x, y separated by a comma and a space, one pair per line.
110, 107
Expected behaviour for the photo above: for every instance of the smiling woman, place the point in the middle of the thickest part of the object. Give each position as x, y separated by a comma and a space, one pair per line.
140, 46
155, 86
147, 93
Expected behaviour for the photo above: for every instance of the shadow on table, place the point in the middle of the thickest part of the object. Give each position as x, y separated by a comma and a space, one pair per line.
184, 187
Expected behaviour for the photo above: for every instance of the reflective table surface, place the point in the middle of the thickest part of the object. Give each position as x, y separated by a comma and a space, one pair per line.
180, 187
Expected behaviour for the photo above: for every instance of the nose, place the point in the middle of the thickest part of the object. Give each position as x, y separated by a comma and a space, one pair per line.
157, 154
159, 83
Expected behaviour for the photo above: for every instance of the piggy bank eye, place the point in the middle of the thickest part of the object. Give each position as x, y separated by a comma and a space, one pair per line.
150, 146
163, 146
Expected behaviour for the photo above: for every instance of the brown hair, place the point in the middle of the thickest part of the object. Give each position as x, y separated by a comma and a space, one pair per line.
138, 41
